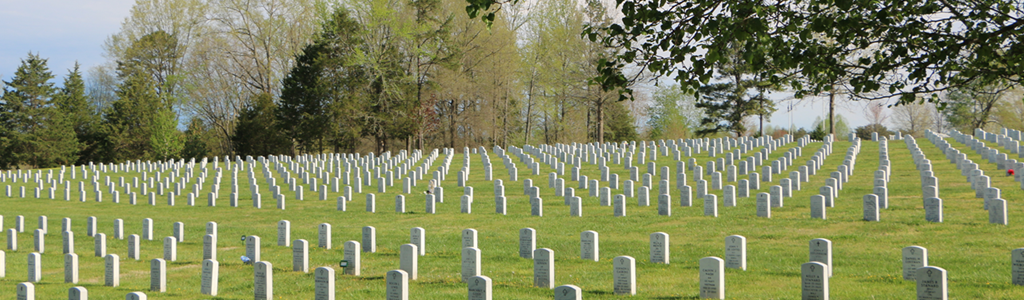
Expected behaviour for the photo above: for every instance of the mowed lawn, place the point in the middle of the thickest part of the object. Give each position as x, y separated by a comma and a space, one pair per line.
867, 255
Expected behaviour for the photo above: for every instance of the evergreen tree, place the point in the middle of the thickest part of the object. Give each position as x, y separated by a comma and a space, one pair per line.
79, 112
195, 140
321, 100
256, 132
128, 124
23, 113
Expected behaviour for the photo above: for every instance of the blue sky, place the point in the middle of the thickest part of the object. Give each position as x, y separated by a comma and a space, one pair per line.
62, 31
69, 31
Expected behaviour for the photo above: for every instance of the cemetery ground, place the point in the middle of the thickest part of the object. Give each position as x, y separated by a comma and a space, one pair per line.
866, 255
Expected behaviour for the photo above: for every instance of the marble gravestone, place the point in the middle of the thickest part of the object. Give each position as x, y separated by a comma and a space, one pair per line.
210, 276
736, 252
589, 245
659, 252
527, 242
712, 278
931, 283
544, 268
814, 281
914, 257
821, 251
624, 274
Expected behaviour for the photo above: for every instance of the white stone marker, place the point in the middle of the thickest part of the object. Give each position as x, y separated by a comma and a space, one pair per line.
100, 241
158, 275
418, 237
914, 257
409, 260
818, 207
659, 248
470, 263
39, 240
78, 293
544, 268
352, 252
90, 226
369, 239
135, 296
119, 229
664, 205
711, 205
26, 291
480, 287
933, 210
997, 212
300, 256
252, 248
871, 208
814, 281
624, 270
324, 283
12, 239
712, 278
469, 238
112, 271
210, 276
70, 268
263, 281
147, 229
527, 242
589, 245
568, 292
397, 285
736, 252
324, 236
1016, 263
764, 208
133, 247
619, 205
371, 203
821, 251
284, 233
931, 283
170, 249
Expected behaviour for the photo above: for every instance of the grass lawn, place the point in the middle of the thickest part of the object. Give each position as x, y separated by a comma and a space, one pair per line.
867, 255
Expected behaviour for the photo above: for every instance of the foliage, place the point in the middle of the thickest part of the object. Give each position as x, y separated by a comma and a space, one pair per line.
194, 145
818, 133
34, 130
257, 133
674, 114
321, 99
971, 107
864, 132
620, 124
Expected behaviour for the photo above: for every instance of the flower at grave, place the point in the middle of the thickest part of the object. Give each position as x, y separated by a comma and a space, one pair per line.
245, 259
1009, 172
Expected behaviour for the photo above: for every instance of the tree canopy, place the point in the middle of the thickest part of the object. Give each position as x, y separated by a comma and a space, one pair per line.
885, 48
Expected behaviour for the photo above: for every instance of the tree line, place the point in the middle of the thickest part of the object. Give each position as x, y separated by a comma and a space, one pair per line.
195, 78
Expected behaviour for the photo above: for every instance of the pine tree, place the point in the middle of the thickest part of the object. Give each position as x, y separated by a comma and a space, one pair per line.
23, 113
256, 132
78, 111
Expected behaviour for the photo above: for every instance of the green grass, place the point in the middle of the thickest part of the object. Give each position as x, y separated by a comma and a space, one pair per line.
866, 254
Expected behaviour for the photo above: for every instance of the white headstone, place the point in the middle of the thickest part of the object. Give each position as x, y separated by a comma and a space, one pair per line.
660, 248
712, 278
300, 256
914, 257
589, 245
112, 270
352, 253
814, 281
624, 270
263, 281
324, 283
736, 252
397, 283
210, 276
470, 263
158, 275
480, 288
409, 260
544, 268
527, 242
931, 284
70, 268
821, 251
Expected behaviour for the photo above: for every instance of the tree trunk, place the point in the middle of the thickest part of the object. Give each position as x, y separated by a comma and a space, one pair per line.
600, 122
529, 112
832, 112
